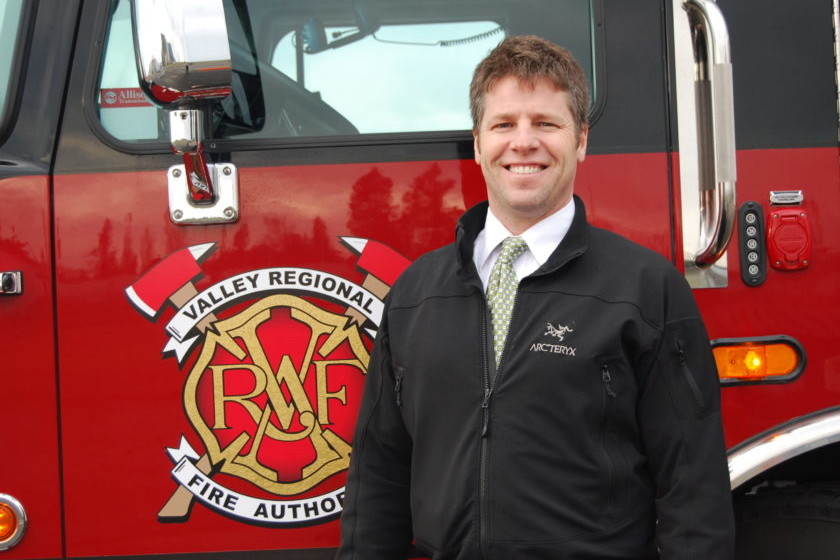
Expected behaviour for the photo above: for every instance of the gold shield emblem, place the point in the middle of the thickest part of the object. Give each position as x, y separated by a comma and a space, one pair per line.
264, 391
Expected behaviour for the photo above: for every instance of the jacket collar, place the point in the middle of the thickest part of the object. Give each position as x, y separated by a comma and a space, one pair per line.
574, 244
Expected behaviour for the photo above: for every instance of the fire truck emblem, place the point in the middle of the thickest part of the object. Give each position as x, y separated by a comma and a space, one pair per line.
274, 356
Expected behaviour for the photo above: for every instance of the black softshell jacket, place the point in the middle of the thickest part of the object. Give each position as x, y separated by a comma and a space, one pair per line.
599, 437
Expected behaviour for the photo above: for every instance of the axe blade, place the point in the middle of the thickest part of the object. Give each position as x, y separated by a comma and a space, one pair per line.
377, 259
151, 291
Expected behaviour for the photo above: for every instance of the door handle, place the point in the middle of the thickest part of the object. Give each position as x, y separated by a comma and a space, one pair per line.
11, 283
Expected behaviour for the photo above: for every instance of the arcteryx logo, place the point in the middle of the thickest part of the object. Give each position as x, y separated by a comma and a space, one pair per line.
275, 360
559, 333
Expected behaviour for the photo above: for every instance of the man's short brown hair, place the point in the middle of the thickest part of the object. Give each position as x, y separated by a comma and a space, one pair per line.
530, 59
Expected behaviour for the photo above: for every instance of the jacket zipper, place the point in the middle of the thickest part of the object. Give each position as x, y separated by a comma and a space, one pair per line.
485, 424
689, 378
489, 385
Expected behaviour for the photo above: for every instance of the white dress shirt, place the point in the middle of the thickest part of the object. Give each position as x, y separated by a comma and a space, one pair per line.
542, 238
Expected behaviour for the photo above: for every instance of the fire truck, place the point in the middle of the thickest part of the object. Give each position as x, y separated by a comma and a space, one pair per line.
204, 203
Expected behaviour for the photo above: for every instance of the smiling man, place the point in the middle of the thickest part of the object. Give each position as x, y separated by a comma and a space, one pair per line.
541, 388
528, 144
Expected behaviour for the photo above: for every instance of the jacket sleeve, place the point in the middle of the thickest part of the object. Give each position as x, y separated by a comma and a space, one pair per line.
680, 420
376, 521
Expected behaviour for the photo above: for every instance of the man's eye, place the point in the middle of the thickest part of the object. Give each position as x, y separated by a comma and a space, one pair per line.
502, 125
548, 124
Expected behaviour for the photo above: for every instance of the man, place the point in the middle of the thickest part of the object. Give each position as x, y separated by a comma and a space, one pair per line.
580, 422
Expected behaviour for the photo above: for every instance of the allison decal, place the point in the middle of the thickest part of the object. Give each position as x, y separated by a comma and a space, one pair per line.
266, 354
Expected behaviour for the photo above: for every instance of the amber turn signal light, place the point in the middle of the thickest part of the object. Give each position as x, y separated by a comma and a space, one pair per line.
12, 522
760, 360
8, 522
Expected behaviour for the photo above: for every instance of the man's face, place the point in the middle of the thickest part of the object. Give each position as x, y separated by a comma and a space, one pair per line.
528, 150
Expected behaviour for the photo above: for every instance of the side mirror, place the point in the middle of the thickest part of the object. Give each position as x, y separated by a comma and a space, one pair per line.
183, 61
182, 50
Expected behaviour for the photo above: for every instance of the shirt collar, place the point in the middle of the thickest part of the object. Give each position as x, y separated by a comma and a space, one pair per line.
542, 238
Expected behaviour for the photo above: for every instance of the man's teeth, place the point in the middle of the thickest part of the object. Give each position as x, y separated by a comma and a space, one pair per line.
525, 169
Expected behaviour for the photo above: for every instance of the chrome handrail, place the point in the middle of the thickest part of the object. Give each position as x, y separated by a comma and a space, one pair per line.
716, 129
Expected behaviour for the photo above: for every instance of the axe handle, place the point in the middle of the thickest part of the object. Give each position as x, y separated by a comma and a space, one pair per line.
375, 286
177, 507
182, 295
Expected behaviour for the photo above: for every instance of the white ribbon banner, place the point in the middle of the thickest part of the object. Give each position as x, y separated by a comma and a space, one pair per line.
267, 280
254, 510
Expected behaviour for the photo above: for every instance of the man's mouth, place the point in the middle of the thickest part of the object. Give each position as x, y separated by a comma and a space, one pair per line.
525, 169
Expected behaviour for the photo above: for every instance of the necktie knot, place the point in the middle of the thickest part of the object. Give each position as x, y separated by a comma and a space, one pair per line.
512, 247
501, 291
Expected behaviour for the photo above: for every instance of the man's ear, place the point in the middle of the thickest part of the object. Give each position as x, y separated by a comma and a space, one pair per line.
583, 141
476, 153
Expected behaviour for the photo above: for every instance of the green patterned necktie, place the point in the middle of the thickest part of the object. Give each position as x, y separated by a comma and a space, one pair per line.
501, 291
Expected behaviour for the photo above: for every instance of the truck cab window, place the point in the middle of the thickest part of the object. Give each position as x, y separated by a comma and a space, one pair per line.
316, 69
124, 111
415, 76
10, 13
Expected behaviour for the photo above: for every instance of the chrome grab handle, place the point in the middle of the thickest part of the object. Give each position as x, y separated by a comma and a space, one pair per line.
716, 129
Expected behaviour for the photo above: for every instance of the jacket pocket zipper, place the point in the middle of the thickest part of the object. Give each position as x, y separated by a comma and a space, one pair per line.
398, 386
606, 377
689, 377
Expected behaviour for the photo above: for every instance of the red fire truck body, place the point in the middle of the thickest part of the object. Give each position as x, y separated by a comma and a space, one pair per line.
186, 387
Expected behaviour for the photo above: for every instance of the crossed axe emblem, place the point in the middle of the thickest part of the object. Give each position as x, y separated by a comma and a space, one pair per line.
172, 281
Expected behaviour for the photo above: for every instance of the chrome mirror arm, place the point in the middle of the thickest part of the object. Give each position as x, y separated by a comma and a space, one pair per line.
186, 128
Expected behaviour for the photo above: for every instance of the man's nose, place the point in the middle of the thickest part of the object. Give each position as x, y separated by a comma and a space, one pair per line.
525, 138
